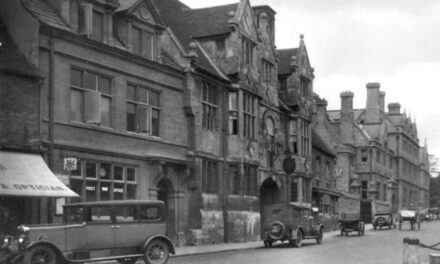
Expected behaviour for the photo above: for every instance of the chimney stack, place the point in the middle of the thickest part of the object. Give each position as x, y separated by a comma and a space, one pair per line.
347, 117
372, 111
394, 109
321, 109
382, 101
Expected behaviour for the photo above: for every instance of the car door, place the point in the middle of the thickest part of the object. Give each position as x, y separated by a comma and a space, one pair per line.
100, 228
128, 231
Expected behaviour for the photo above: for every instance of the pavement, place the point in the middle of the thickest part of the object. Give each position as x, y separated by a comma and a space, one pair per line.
225, 247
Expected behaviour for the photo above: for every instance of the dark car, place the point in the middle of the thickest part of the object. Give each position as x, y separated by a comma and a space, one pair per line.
383, 219
95, 231
289, 222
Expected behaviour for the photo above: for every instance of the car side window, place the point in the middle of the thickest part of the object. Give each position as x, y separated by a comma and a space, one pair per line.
125, 213
100, 214
150, 213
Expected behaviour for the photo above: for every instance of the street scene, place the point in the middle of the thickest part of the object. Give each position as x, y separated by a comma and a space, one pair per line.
223, 131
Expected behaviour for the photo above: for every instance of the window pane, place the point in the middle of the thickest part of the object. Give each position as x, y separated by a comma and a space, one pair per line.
101, 214
76, 172
136, 40
97, 25
143, 119
125, 213
105, 171
105, 111
131, 174
154, 99
148, 43
90, 80
155, 122
131, 117
76, 105
90, 170
75, 78
105, 191
91, 187
142, 95
233, 101
131, 92
149, 213
105, 85
118, 191
131, 191
118, 173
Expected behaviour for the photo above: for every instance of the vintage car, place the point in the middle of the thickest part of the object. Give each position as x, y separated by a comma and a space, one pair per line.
289, 222
383, 219
351, 222
124, 231
408, 215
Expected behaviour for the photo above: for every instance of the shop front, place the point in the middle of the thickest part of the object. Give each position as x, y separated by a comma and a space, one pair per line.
27, 189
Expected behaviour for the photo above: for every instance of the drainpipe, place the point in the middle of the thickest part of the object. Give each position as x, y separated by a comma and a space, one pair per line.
224, 146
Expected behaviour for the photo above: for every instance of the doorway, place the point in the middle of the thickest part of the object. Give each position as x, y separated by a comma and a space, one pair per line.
165, 190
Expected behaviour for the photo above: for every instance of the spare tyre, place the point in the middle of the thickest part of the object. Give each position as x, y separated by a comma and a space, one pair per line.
276, 230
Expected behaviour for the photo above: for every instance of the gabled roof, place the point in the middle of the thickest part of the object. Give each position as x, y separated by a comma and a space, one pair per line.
11, 59
44, 13
319, 143
285, 58
209, 21
127, 6
175, 17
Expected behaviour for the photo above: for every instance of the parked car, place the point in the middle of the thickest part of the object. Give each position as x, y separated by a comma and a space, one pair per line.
383, 219
289, 222
96, 231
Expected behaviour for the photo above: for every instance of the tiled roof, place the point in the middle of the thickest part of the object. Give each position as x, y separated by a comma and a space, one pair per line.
45, 14
125, 5
209, 21
11, 59
285, 58
319, 143
175, 16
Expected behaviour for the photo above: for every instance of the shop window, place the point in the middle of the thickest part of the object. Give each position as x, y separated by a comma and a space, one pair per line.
233, 113
210, 105
210, 183
90, 98
100, 181
143, 110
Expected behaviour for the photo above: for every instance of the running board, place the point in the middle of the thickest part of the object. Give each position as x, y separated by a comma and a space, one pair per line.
106, 258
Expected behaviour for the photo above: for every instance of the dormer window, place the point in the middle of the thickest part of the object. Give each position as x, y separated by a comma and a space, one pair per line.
247, 51
142, 42
97, 25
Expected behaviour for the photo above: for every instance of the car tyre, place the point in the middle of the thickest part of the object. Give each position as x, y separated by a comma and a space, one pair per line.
157, 252
40, 254
298, 241
320, 237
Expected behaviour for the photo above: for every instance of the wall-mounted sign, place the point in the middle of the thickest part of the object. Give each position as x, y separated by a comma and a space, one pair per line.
289, 165
70, 163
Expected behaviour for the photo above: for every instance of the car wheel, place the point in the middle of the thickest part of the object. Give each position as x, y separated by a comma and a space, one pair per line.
40, 254
157, 252
320, 237
267, 244
298, 241
127, 261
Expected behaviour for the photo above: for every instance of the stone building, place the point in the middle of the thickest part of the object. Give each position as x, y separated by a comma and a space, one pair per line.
386, 177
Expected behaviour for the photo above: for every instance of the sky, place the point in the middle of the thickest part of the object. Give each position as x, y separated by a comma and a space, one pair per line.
353, 42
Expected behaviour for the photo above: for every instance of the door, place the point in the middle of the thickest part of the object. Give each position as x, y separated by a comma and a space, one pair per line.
366, 214
100, 228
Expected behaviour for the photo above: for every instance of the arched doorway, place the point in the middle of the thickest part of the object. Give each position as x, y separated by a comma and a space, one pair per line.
165, 190
269, 194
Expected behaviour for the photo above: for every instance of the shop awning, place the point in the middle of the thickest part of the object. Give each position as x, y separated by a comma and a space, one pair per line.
23, 174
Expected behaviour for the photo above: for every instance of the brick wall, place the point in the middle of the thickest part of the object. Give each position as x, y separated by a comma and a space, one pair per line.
19, 111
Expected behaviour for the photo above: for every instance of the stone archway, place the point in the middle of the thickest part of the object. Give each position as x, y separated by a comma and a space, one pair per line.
165, 191
270, 193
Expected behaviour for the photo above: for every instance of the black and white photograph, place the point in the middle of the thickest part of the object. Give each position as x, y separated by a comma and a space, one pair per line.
221, 131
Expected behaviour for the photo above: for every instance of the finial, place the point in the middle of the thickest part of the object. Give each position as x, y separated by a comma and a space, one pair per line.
301, 36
